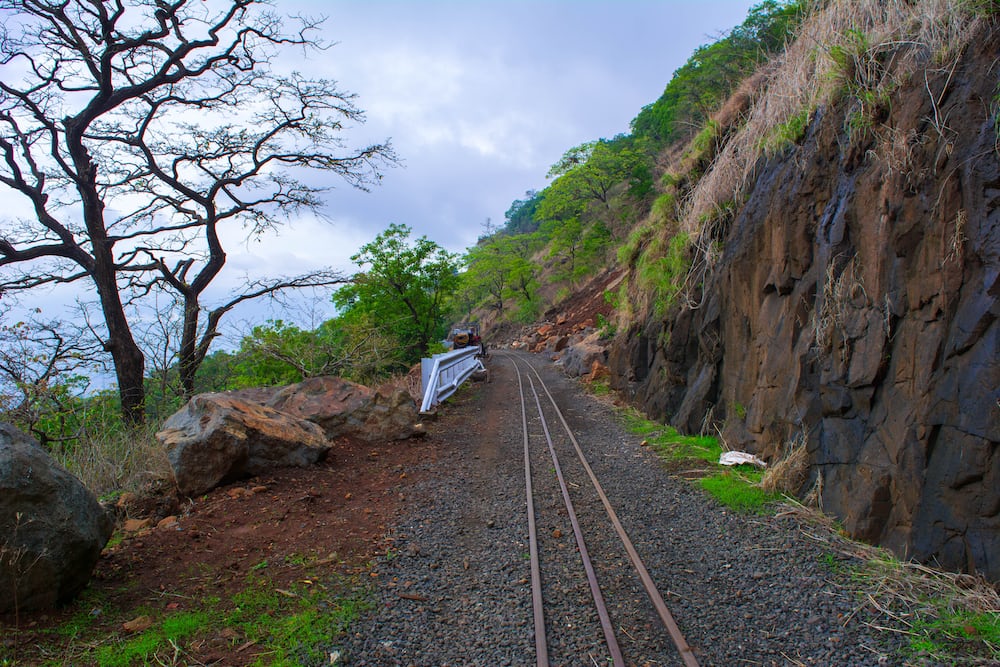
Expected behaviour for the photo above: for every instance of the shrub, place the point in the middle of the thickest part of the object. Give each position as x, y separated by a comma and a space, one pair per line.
663, 270
786, 134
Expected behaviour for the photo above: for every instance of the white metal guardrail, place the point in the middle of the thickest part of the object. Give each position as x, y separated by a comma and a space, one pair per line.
442, 374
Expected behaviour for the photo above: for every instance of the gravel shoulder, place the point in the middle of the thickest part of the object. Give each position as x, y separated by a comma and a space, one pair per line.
454, 585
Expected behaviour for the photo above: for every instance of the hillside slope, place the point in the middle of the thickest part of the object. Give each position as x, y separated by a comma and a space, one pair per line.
852, 306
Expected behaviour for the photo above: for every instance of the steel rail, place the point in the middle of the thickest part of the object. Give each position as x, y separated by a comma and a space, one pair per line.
647, 581
602, 610
537, 602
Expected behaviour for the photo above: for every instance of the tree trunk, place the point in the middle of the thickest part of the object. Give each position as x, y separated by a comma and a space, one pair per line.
188, 361
130, 365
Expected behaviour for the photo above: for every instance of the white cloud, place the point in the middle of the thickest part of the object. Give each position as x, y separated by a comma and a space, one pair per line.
480, 98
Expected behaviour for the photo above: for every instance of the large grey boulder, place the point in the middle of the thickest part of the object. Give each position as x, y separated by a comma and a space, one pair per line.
219, 438
52, 528
342, 407
579, 358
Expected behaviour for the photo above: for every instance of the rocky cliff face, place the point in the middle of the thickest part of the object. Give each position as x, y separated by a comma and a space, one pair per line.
855, 306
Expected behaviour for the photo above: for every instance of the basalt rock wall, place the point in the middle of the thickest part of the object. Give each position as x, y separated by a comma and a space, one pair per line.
855, 308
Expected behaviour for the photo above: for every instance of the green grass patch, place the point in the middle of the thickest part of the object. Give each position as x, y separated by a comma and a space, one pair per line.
662, 267
296, 626
163, 637
669, 443
787, 134
599, 388
949, 618
739, 490
286, 628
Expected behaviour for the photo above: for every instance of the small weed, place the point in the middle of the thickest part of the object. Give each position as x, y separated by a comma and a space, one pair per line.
145, 647
669, 443
259, 566
605, 326
738, 490
296, 560
786, 134
116, 538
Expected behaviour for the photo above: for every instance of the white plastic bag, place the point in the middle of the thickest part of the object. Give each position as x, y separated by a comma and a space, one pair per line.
739, 458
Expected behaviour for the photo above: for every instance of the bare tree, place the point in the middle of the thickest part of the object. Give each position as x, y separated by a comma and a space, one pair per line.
136, 130
43, 365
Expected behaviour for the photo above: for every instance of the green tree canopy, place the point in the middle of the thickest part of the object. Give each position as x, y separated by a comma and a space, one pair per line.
500, 270
521, 214
588, 173
405, 286
714, 70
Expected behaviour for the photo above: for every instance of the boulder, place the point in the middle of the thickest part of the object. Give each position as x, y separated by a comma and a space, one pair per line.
341, 407
218, 438
579, 358
598, 371
52, 528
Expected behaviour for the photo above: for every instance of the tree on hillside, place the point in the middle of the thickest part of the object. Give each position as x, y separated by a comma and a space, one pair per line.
279, 353
499, 269
577, 246
42, 369
520, 216
404, 287
714, 70
137, 131
588, 173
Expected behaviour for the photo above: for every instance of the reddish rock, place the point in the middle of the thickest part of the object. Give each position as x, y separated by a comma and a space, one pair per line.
341, 407
135, 525
598, 371
218, 438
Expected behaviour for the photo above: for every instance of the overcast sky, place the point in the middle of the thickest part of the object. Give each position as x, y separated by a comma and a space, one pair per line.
479, 99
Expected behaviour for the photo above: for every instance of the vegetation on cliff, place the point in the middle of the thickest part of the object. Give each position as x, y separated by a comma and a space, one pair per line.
846, 110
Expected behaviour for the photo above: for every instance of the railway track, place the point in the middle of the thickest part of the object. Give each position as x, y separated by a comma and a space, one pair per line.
624, 601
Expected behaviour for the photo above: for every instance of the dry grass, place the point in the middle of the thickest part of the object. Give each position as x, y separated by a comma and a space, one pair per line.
125, 461
935, 609
888, 42
788, 474
840, 290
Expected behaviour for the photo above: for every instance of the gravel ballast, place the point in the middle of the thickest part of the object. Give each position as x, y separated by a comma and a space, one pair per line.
455, 588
